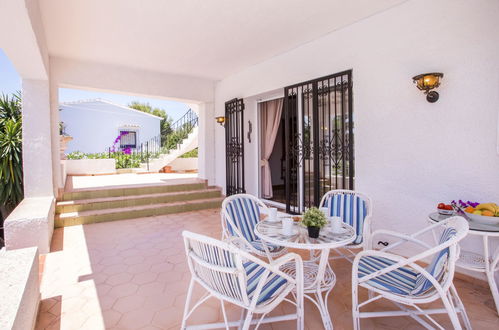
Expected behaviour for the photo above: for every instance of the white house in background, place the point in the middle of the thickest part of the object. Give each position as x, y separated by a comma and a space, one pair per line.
95, 124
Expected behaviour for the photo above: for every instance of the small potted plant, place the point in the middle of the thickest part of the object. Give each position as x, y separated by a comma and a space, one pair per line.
314, 219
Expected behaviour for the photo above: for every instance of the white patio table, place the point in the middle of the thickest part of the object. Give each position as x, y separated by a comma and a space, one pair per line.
487, 263
319, 278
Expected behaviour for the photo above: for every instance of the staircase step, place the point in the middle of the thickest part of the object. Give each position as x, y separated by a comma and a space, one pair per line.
95, 216
132, 190
134, 200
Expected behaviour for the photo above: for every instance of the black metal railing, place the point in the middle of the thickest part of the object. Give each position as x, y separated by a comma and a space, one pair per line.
169, 140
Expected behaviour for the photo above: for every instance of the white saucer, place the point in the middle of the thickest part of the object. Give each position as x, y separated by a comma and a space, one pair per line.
295, 232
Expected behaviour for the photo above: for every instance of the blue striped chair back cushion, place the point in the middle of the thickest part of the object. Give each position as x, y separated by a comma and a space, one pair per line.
244, 214
221, 282
437, 266
352, 209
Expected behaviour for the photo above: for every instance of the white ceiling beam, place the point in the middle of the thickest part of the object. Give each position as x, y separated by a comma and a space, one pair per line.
22, 38
125, 80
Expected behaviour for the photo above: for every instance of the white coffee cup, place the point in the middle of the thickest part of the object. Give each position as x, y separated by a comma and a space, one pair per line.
273, 214
336, 224
287, 226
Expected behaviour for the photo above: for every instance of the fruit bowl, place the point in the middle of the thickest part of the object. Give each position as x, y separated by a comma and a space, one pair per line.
483, 219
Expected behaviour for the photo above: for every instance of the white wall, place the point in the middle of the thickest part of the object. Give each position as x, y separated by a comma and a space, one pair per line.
410, 154
89, 166
95, 125
184, 164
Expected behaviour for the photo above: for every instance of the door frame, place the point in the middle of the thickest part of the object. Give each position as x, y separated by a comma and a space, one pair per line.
234, 147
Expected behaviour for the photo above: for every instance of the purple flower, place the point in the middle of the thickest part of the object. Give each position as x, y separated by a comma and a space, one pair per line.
127, 151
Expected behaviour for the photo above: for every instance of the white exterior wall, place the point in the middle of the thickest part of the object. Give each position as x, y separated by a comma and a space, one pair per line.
184, 164
89, 166
409, 154
95, 125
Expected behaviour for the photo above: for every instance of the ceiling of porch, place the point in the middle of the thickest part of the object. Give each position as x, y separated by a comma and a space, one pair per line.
210, 39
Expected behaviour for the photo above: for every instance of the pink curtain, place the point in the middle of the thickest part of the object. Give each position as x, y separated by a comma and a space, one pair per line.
271, 117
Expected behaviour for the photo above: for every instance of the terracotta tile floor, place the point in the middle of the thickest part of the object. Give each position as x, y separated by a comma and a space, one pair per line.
132, 274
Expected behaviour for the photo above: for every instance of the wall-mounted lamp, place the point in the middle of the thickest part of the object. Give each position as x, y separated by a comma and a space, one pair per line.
220, 120
428, 81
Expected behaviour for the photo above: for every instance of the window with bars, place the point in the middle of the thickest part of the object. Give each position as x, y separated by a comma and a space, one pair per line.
128, 139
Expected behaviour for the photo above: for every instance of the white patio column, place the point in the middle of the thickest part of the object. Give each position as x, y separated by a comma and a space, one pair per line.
32, 221
37, 139
57, 177
206, 153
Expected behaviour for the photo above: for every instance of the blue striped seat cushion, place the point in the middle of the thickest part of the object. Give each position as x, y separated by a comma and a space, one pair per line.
352, 209
257, 244
400, 281
245, 214
405, 280
273, 285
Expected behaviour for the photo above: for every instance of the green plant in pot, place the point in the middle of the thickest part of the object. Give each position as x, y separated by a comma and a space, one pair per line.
314, 219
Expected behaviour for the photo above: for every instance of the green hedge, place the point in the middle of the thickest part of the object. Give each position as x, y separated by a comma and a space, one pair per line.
191, 154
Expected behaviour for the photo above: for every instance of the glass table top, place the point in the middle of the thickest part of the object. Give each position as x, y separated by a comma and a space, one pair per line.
271, 231
474, 225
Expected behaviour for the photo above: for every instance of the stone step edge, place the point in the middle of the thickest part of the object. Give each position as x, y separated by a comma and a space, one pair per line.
70, 215
132, 197
135, 190
172, 209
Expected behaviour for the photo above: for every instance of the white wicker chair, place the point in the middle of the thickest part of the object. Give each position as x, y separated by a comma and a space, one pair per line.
408, 284
355, 209
235, 276
240, 214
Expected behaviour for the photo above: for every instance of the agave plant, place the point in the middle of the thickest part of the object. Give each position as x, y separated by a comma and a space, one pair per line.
11, 172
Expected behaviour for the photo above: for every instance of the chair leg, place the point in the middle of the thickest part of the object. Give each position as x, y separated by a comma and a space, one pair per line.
299, 313
355, 307
460, 305
242, 318
247, 320
451, 311
187, 303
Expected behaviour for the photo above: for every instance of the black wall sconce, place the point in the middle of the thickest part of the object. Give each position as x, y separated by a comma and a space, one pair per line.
428, 81
220, 120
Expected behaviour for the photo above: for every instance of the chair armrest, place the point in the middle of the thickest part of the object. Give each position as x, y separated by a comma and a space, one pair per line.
276, 264
285, 259
403, 238
239, 242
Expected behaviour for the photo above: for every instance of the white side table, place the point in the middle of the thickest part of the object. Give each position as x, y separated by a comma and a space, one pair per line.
319, 278
487, 263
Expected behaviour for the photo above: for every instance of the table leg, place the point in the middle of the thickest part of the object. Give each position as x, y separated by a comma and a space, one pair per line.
320, 294
490, 272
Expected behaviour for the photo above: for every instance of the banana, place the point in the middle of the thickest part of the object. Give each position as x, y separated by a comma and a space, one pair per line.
492, 207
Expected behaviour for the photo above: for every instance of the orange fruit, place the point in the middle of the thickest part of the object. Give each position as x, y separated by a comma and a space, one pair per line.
469, 209
487, 213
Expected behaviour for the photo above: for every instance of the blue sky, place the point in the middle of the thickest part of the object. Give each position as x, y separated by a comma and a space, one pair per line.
10, 82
